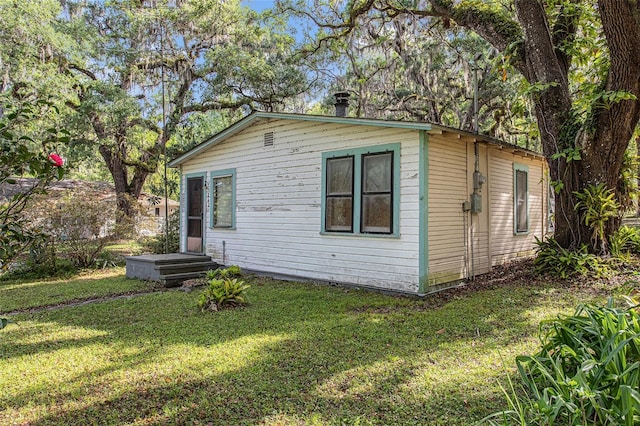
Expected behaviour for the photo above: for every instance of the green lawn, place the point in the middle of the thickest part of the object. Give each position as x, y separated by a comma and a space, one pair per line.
299, 354
25, 294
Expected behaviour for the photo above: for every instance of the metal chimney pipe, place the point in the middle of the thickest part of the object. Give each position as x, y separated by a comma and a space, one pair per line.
341, 104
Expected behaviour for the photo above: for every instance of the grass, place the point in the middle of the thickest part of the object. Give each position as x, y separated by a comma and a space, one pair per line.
26, 294
299, 354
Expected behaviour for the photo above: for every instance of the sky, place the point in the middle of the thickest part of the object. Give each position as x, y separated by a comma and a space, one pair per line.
258, 5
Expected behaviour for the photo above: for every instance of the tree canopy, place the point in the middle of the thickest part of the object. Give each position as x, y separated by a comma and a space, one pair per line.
581, 59
133, 75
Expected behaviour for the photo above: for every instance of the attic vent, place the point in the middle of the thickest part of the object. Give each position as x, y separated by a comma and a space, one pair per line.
268, 139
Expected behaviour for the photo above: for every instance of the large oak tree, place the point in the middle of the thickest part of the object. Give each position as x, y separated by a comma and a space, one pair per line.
582, 61
207, 55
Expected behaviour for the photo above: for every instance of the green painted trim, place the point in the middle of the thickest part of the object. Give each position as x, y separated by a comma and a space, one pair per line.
357, 153
187, 176
222, 173
183, 217
522, 168
347, 120
256, 116
423, 213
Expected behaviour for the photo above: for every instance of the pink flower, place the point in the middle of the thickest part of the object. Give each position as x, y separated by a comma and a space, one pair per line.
56, 159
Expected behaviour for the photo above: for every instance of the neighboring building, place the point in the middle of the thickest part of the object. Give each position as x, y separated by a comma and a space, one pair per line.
372, 203
155, 210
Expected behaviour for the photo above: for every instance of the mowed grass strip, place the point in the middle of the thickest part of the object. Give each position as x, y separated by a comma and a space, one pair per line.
299, 354
26, 294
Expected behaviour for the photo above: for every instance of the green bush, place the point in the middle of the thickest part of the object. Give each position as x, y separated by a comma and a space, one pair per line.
25, 154
587, 372
625, 241
232, 271
560, 262
79, 226
223, 290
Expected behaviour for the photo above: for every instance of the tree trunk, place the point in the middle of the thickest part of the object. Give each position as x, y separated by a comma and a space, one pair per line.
127, 193
638, 173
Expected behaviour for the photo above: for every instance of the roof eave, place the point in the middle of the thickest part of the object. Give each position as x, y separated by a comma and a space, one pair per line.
248, 120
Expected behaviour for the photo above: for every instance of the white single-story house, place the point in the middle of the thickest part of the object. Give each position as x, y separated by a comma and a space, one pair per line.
401, 206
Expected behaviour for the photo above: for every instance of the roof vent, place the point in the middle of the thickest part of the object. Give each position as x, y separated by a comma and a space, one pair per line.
268, 139
342, 103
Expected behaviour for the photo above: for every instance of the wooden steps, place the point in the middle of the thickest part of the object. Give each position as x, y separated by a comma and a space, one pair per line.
169, 269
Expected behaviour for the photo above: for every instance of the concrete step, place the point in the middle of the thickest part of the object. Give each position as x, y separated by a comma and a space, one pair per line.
153, 266
176, 268
163, 259
175, 280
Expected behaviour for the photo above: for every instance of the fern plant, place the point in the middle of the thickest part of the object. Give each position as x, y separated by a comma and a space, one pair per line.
558, 261
597, 205
222, 293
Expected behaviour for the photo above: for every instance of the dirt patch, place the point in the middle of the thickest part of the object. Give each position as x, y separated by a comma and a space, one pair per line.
521, 273
81, 302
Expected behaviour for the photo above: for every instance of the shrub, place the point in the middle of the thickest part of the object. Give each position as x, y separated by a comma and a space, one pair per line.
224, 291
232, 271
587, 372
79, 226
624, 241
560, 262
20, 156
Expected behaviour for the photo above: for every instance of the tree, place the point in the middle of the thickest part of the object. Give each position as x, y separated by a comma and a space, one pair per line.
581, 59
145, 67
397, 68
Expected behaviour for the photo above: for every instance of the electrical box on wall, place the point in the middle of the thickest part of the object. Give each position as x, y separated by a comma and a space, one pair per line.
476, 203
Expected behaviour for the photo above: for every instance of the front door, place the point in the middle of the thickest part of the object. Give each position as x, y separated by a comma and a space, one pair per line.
194, 214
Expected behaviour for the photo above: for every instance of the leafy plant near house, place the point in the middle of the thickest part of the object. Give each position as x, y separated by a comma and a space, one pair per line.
224, 289
587, 371
561, 262
221, 293
597, 205
232, 271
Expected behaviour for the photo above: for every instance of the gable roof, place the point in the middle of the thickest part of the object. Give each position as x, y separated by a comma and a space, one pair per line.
412, 125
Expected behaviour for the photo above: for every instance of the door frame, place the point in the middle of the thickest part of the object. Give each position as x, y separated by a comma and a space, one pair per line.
202, 176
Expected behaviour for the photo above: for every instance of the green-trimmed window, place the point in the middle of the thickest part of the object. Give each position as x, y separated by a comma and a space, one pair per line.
361, 190
521, 199
377, 193
223, 199
339, 198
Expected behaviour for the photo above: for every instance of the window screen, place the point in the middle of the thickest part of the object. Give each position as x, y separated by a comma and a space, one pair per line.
377, 203
222, 202
339, 195
521, 208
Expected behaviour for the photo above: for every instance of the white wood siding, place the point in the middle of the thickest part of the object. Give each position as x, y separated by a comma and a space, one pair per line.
451, 232
278, 199
447, 190
505, 244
